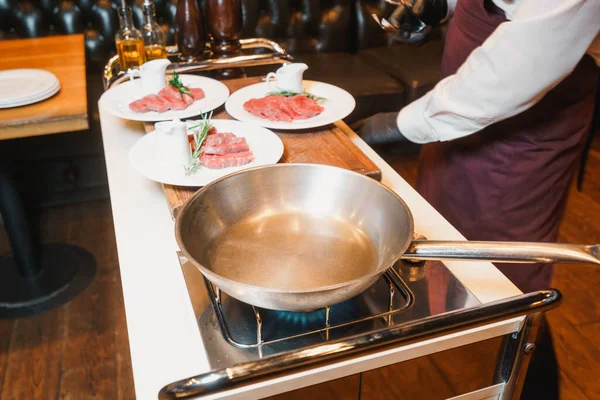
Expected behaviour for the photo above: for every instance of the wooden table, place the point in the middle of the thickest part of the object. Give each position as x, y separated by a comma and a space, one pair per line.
35, 278
66, 111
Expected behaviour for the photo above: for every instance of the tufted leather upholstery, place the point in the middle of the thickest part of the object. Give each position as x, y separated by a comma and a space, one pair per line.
300, 25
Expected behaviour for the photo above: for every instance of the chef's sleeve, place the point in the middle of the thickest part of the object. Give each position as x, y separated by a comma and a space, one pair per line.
511, 71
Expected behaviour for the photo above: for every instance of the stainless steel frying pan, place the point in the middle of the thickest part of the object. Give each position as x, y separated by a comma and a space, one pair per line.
298, 237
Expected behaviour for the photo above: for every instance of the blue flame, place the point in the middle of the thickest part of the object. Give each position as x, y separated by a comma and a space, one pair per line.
285, 323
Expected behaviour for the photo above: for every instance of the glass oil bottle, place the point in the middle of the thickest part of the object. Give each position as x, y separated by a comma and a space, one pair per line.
129, 41
154, 37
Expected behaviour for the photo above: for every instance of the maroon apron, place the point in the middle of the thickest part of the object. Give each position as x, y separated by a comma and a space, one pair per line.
509, 181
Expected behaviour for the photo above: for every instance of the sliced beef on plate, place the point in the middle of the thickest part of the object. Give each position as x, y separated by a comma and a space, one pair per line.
304, 106
155, 103
283, 108
229, 160
139, 106
174, 99
221, 138
216, 139
211, 132
268, 107
149, 103
254, 106
197, 93
168, 98
277, 109
286, 107
226, 148
223, 150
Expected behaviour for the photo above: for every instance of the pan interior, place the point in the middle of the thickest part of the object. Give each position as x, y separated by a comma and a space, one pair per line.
293, 228
293, 251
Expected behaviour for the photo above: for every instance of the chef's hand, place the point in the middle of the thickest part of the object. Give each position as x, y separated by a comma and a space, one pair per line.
414, 19
379, 129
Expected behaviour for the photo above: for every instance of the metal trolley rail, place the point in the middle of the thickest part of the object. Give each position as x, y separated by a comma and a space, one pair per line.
510, 371
270, 53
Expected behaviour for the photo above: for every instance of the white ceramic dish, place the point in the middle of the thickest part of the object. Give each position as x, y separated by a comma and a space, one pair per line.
266, 146
20, 87
116, 100
339, 105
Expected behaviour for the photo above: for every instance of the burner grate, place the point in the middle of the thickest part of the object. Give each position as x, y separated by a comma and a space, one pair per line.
297, 325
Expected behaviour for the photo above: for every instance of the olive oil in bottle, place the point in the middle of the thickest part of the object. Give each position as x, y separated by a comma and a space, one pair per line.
155, 51
129, 41
154, 37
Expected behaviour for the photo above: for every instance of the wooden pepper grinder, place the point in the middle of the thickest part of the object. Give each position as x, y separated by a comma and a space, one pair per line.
224, 23
189, 30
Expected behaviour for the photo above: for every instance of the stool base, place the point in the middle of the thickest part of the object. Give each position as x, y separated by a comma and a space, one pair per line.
65, 272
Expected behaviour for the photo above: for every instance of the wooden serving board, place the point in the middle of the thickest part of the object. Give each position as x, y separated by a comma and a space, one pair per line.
327, 145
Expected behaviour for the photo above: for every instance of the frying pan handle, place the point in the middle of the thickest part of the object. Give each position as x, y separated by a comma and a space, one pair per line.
508, 252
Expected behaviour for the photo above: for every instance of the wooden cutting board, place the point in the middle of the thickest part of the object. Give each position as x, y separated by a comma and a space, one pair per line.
327, 145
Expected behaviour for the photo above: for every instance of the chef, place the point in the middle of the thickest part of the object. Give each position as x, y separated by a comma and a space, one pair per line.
504, 128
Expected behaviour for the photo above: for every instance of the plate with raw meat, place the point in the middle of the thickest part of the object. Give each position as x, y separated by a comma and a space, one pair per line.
321, 104
192, 96
228, 146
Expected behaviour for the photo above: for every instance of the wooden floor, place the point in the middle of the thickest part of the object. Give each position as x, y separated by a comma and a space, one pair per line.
80, 351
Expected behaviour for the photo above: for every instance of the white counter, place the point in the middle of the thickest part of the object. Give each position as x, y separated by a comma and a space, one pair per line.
164, 338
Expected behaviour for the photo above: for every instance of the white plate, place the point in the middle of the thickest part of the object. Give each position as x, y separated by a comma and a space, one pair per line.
116, 100
266, 146
19, 87
33, 99
339, 105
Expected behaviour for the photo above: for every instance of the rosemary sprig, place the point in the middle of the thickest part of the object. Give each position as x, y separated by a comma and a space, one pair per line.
200, 132
177, 84
288, 93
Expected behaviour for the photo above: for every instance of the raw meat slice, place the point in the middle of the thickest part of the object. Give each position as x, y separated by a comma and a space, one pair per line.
211, 132
305, 106
226, 148
220, 138
197, 93
268, 107
277, 109
174, 99
168, 93
286, 107
139, 105
155, 103
253, 106
282, 108
229, 160
168, 98
174, 104
222, 150
217, 140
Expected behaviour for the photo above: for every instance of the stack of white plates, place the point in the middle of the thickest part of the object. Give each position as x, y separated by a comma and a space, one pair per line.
19, 87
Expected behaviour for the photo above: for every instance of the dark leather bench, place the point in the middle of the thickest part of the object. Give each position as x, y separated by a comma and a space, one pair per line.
417, 67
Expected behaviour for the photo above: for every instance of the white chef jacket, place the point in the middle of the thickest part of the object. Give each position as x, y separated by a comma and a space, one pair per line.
521, 61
